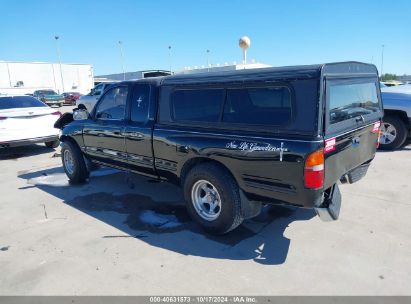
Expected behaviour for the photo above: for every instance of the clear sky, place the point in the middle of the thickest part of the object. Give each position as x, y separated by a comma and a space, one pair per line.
282, 32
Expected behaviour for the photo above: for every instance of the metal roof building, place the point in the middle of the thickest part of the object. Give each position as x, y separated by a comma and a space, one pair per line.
26, 77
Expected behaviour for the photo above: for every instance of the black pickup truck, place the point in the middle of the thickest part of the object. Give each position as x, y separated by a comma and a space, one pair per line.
236, 140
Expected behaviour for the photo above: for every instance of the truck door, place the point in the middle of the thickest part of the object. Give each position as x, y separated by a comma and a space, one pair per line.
103, 136
352, 121
138, 132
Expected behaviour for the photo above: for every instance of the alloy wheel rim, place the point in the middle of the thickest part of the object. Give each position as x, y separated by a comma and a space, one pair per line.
388, 133
206, 200
68, 162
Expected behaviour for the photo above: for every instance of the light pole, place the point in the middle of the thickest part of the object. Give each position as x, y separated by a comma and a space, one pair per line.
169, 57
59, 57
382, 59
208, 60
120, 44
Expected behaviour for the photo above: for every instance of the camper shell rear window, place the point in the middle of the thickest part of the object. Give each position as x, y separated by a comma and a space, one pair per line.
351, 102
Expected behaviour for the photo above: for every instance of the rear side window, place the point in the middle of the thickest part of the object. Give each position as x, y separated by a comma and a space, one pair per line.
351, 100
200, 105
258, 106
19, 102
140, 103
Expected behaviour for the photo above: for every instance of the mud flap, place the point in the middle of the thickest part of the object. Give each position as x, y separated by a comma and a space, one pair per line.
330, 208
249, 209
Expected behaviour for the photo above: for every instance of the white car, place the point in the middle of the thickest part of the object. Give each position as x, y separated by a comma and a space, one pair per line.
25, 120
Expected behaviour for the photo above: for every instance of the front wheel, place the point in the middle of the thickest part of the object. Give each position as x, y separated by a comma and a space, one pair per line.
213, 198
73, 162
393, 133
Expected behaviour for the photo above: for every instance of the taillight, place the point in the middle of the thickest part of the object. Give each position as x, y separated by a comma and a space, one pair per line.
378, 138
376, 127
56, 113
314, 170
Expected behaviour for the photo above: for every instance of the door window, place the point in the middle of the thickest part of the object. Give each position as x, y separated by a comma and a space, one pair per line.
113, 104
98, 89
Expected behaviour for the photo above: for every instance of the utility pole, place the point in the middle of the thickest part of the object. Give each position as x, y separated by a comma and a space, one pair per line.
208, 60
382, 60
169, 58
59, 57
120, 44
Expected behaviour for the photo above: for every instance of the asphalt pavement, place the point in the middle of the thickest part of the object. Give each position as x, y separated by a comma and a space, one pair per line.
121, 234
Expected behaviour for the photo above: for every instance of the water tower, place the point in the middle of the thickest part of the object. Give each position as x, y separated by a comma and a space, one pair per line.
244, 43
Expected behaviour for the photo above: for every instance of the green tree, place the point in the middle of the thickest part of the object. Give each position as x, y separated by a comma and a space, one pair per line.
387, 76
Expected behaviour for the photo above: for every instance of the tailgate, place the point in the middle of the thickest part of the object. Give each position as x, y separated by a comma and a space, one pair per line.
350, 150
352, 120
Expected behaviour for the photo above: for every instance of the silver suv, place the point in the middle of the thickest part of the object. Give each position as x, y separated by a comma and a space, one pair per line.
89, 101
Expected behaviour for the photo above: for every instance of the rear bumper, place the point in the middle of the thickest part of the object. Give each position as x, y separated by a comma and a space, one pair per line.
28, 141
53, 101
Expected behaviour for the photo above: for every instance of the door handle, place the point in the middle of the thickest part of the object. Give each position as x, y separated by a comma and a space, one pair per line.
360, 118
136, 134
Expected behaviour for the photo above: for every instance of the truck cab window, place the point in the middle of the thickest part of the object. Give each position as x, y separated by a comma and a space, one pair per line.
113, 104
140, 103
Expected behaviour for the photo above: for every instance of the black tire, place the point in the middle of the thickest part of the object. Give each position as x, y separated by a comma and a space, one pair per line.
400, 133
230, 215
52, 144
79, 173
60, 105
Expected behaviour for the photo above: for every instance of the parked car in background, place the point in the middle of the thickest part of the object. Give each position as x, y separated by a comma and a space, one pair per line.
396, 126
88, 101
71, 97
392, 83
25, 120
49, 97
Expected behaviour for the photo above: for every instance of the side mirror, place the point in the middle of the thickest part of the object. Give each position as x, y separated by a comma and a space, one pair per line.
80, 114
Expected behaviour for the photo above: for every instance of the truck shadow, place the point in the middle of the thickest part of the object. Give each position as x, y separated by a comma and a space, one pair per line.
24, 151
155, 213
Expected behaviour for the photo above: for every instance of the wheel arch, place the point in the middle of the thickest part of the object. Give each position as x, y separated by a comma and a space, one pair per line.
398, 113
195, 161
68, 138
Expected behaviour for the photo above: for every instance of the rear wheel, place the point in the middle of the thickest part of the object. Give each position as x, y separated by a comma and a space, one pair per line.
393, 133
73, 162
52, 144
213, 198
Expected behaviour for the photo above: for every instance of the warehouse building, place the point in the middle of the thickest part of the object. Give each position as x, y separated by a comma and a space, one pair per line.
223, 68
130, 75
26, 77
